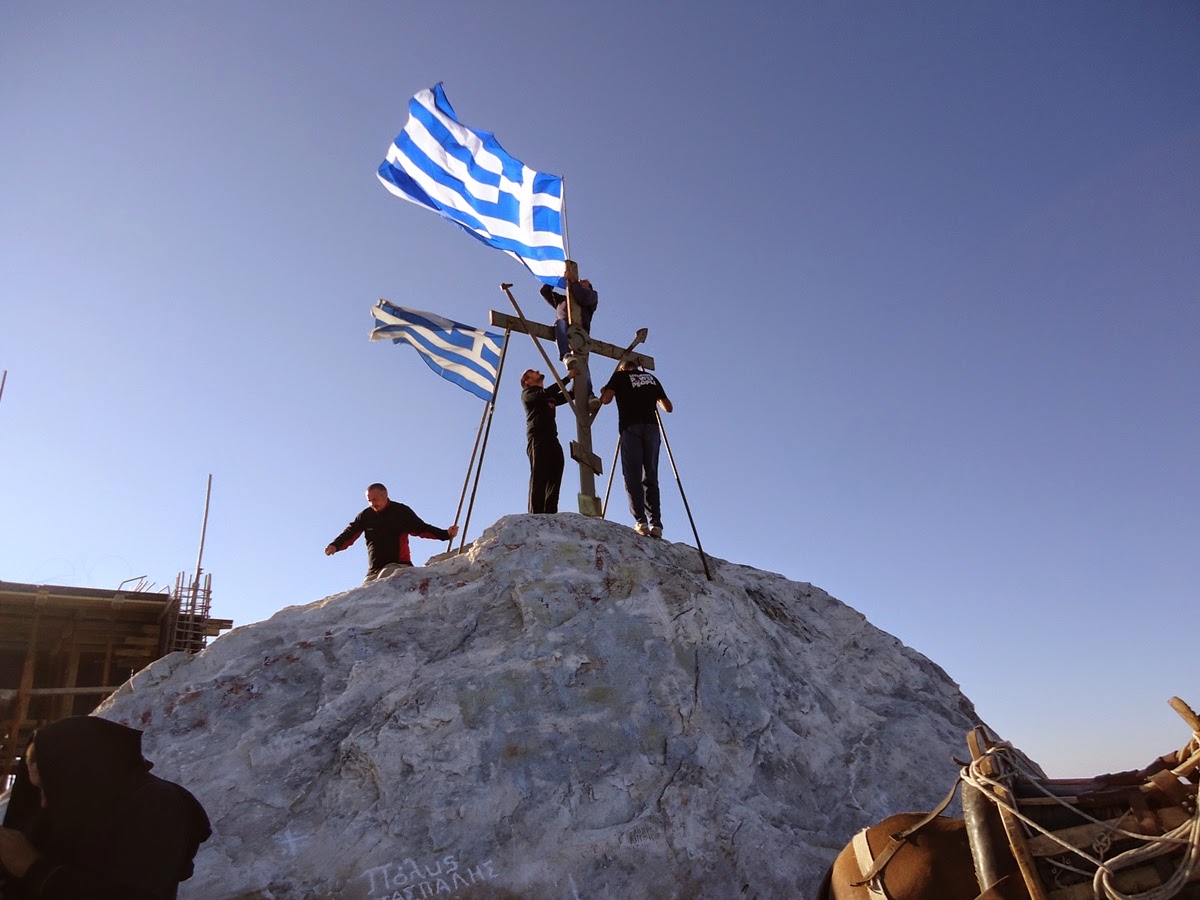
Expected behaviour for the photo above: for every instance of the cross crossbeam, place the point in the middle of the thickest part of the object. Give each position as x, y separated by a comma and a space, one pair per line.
546, 333
582, 346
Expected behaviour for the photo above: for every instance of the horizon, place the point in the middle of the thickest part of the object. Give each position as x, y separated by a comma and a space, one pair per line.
920, 283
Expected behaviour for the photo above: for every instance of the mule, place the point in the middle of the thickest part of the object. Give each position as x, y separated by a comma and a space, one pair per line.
934, 863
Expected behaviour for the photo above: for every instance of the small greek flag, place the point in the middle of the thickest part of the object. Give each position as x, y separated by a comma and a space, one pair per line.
467, 356
467, 177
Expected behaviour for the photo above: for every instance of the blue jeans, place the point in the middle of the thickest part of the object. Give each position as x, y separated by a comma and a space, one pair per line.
639, 465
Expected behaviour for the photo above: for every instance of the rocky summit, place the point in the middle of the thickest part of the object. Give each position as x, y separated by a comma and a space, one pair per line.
564, 710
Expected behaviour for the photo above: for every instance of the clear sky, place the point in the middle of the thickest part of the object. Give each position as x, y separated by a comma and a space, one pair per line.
921, 280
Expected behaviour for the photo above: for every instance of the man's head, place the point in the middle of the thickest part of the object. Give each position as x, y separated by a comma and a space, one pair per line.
377, 497
629, 363
532, 378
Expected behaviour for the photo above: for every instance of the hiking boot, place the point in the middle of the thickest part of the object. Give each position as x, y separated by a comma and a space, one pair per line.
656, 531
642, 528
593, 403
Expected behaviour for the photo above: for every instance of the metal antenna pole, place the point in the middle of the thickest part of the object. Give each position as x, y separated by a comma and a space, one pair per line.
671, 456
3, 378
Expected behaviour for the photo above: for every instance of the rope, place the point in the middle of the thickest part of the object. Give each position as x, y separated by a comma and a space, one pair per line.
1186, 835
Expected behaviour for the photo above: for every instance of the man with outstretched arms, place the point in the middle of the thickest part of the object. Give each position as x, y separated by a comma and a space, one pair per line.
387, 525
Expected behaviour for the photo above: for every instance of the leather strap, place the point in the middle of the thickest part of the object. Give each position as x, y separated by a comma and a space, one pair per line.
896, 841
862, 855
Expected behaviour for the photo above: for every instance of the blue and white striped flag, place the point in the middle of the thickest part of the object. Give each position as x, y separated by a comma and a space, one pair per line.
466, 175
467, 356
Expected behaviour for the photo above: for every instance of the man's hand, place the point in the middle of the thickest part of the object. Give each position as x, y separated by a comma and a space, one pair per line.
453, 530
16, 853
330, 550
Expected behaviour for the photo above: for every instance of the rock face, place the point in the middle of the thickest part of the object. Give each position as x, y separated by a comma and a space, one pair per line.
567, 710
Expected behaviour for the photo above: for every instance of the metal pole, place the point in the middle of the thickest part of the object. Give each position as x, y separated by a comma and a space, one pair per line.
478, 435
612, 471
671, 456
491, 409
3, 378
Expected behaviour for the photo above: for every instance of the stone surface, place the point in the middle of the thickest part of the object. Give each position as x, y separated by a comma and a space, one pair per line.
567, 710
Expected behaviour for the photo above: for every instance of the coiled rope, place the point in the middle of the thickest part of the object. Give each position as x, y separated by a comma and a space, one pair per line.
1186, 835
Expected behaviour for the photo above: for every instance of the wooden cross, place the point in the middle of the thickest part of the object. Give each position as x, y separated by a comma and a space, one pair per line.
582, 346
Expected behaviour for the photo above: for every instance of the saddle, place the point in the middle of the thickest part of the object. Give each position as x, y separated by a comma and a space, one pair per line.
1134, 833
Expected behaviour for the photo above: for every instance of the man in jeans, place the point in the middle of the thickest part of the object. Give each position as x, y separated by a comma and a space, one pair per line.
639, 395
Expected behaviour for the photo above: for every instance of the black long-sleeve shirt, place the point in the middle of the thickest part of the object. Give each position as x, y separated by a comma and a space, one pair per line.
387, 534
539, 403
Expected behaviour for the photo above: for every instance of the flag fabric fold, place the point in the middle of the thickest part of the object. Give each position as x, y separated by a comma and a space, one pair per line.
469, 357
467, 177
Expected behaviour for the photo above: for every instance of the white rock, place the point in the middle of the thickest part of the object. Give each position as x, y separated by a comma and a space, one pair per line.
566, 710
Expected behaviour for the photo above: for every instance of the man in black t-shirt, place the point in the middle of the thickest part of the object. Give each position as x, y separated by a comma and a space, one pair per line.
639, 395
387, 526
541, 440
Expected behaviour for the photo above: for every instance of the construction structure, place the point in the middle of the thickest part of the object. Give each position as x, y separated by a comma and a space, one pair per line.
63, 650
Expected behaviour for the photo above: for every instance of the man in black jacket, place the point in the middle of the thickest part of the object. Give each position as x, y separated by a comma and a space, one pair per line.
387, 526
584, 295
541, 440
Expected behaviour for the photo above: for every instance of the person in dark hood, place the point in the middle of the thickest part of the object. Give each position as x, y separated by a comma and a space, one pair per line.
87, 819
583, 293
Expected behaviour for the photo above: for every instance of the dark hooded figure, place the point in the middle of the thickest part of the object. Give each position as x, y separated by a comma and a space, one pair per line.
103, 826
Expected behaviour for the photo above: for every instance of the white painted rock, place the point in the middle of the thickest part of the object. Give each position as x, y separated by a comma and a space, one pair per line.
567, 710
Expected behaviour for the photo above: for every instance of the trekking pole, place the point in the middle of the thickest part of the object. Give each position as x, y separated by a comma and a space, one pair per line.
671, 456
612, 470
488, 412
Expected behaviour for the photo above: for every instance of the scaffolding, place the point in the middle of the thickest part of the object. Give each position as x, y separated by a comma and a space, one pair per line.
190, 625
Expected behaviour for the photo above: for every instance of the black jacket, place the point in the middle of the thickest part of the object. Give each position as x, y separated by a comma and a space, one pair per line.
110, 829
387, 534
539, 403
587, 299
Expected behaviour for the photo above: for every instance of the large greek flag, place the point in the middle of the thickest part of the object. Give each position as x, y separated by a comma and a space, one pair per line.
466, 175
467, 356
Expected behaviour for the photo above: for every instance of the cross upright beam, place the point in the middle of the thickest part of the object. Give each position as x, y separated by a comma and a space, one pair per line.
582, 345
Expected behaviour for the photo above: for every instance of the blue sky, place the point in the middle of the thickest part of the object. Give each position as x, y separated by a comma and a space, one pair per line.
920, 279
